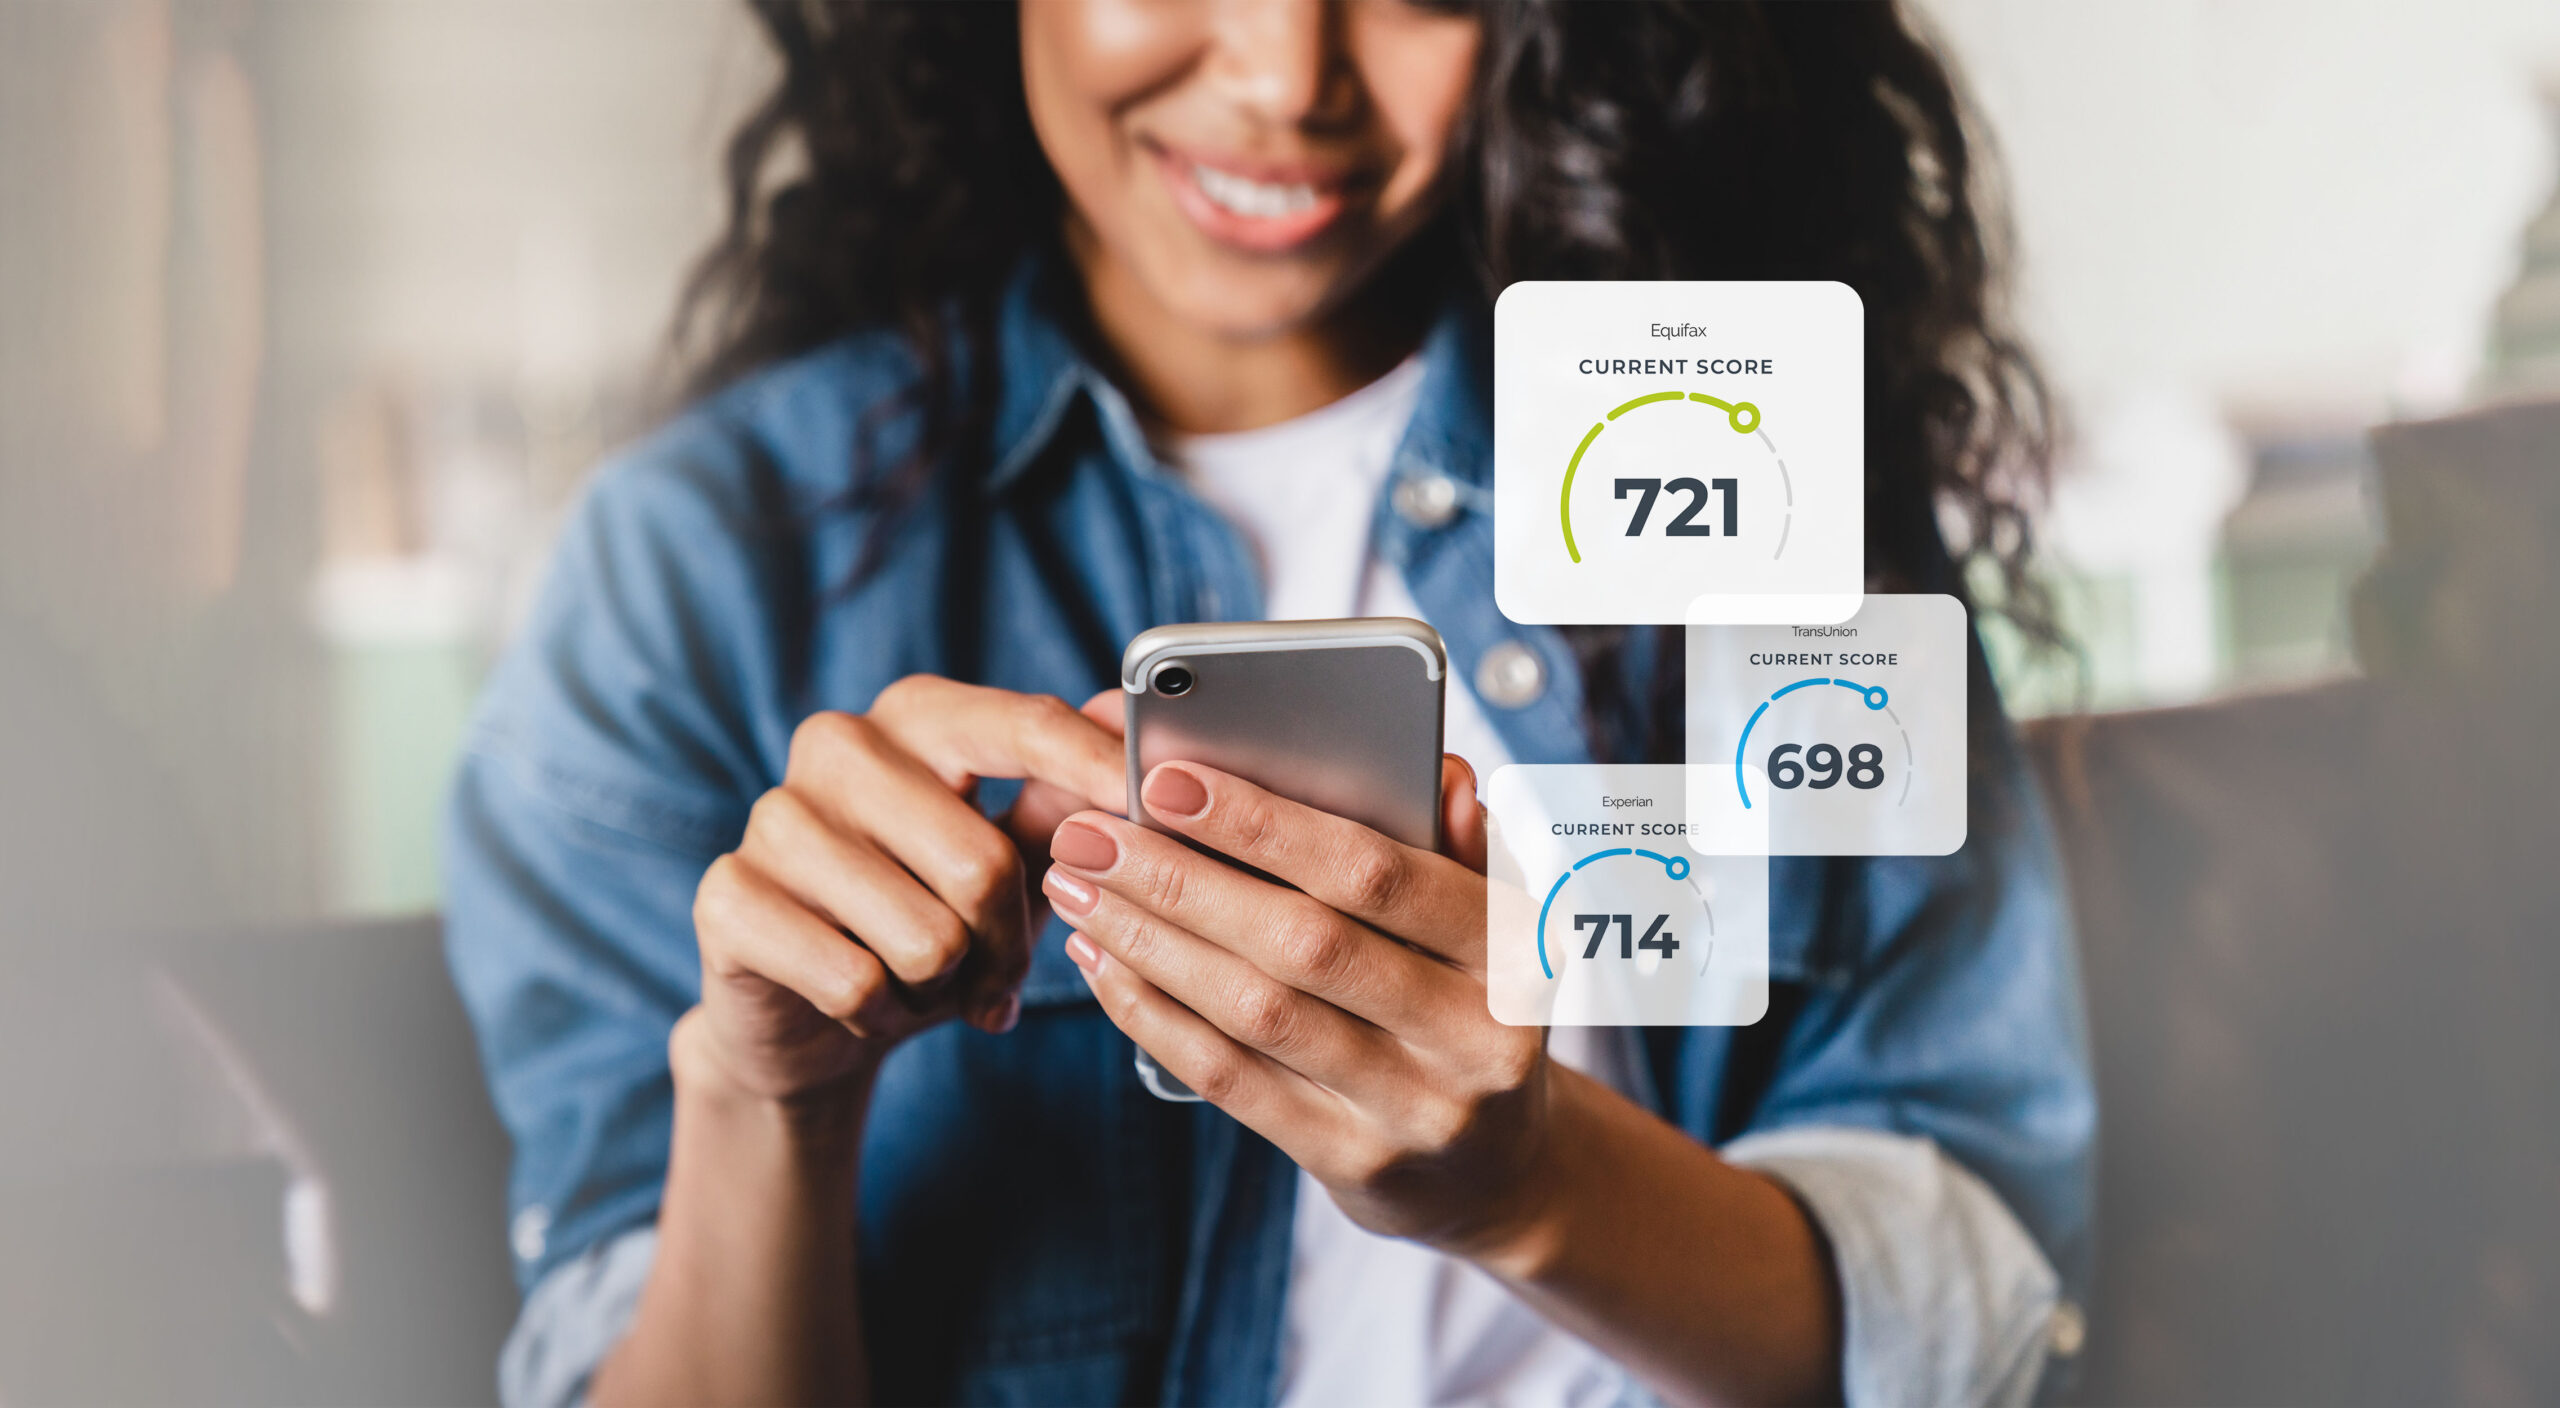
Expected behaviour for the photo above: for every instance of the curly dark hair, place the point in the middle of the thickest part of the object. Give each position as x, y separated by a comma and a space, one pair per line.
891, 178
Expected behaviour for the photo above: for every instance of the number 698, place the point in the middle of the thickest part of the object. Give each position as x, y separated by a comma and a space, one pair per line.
1821, 767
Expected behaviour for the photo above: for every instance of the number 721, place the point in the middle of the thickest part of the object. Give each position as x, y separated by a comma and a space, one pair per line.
1682, 525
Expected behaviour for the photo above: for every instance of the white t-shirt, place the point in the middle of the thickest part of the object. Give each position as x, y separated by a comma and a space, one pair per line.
1372, 1319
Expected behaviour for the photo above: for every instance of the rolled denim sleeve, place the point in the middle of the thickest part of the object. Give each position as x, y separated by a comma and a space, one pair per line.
1945, 1299
575, 1316
615, 753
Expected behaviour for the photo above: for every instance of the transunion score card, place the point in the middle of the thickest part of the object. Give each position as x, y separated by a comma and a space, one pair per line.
1838, 740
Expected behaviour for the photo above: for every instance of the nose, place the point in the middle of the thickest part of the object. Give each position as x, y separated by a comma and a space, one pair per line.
1284, 60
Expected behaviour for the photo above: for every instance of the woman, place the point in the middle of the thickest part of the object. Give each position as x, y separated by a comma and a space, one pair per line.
790, 898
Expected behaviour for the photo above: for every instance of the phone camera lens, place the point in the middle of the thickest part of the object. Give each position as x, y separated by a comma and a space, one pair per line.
1172, 680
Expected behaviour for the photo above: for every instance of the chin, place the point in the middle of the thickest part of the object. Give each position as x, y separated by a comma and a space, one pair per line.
1256, 304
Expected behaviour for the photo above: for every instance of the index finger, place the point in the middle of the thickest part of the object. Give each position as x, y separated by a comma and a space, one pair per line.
1421, 897
1039, 808
965, 731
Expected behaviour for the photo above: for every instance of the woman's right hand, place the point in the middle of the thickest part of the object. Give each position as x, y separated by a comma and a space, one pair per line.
870, 898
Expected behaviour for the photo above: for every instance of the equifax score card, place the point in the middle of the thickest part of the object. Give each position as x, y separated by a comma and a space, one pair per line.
1679, 452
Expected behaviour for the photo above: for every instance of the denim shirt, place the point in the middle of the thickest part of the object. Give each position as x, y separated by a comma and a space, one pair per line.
1033, 1225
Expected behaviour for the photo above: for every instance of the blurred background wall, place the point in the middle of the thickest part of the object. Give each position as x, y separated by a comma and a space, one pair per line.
2246, 231
313, 313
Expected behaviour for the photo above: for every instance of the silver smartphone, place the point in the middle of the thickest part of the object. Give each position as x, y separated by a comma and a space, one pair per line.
1343, 716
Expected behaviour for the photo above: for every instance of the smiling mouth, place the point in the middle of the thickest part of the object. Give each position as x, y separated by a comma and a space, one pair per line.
1256, 214
1255, 200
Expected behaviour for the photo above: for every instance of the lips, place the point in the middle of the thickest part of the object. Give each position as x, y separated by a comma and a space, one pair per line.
1267, 210
1255, 200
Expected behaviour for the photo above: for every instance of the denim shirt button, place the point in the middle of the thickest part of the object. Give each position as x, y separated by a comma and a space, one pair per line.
2066, 1330
530, 1234
1511, 676
1426, 500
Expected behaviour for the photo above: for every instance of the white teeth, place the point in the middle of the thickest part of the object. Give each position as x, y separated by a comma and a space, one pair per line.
1258, 200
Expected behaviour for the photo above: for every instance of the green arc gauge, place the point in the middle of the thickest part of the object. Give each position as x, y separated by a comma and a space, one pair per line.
1744, 419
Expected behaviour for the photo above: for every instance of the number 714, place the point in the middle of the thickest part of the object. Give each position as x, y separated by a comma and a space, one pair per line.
1654, 938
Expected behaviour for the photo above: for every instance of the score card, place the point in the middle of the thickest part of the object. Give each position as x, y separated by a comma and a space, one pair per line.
1679, 451
1601, 916
1841, 740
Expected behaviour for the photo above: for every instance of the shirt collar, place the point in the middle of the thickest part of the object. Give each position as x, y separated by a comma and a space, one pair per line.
1452, 422
1039, 364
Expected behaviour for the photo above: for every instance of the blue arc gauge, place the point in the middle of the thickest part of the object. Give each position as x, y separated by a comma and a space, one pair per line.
1874, 697
1675, 867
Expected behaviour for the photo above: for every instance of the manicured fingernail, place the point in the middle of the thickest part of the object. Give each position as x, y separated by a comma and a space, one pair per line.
1068, 892
1173, 791
1083, 847
1087, 957
1008, 1016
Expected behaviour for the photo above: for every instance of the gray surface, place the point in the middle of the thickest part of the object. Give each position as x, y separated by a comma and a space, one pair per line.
2318, 931
142, 1232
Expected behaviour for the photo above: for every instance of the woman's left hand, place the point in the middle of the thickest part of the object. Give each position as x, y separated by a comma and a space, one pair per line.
1344, 1020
